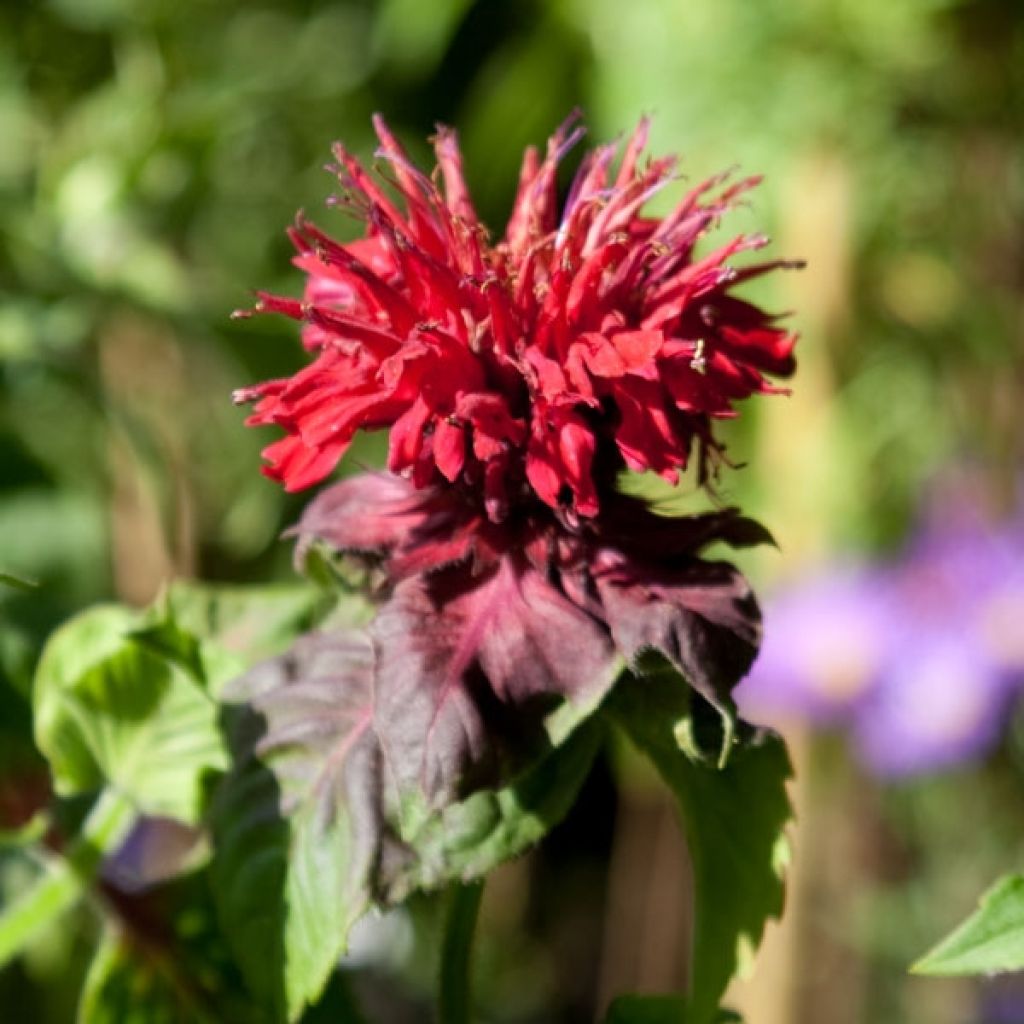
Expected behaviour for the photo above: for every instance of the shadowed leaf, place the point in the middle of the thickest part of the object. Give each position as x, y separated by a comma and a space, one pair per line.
735, 819
316, 823
296, 827
126, 986
465, 840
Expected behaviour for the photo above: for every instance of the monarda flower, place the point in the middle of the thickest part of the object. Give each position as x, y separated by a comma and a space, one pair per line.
519, 378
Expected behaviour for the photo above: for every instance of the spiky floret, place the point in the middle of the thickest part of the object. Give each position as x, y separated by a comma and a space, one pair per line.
588, 339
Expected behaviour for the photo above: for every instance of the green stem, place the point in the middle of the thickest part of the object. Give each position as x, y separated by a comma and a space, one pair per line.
454, 996
65, 879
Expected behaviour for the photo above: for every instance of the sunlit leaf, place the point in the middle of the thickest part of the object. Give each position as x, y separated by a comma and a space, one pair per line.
990, 941
110, 709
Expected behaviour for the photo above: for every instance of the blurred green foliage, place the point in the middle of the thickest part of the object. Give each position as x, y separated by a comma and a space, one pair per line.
152, 153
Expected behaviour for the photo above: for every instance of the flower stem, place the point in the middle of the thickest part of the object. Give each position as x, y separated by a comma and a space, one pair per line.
454, 995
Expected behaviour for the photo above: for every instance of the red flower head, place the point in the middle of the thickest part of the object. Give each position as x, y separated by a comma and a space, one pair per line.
518, 378
587, 339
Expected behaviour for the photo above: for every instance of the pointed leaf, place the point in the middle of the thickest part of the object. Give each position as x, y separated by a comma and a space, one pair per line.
990, 941
735, 819
315, 824
702, 616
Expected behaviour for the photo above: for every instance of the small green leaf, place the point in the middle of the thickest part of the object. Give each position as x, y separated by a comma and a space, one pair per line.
64, 880
735, 819
17, 582
990, 941
166, 639
111, 708
659, 1010
128, 984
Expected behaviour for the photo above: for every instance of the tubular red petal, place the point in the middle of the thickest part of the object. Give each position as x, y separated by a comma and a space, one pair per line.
528, 372
449, 159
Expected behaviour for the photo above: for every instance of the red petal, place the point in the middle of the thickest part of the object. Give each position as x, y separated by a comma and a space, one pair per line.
449, 448
406, 439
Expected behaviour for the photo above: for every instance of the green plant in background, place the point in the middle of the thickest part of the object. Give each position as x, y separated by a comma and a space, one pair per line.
338, 747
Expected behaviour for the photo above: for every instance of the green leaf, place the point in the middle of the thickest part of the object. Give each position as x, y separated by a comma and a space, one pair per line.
17, 582
129, 984
465, 840
165, 638
990, 941
659, 1010
253, 622
294, 825
113, 708
735, 819
64, 880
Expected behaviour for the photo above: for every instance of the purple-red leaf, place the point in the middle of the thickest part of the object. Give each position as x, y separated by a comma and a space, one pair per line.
469, 666
369, 513
387, 517
702, 616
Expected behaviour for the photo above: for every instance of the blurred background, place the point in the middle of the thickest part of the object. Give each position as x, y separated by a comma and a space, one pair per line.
151, 154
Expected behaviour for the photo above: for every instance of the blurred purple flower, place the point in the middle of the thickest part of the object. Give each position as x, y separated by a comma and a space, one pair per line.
941, 702
918, 658
822, 653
